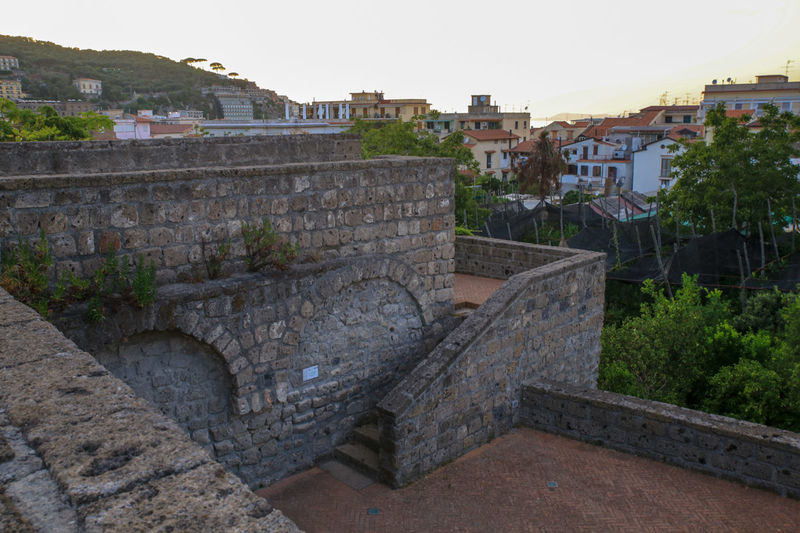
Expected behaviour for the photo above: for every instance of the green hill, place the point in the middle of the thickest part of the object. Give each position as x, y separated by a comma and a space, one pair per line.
132, 80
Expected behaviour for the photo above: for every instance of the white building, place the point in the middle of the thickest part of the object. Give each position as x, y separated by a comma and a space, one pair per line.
89, 86
9, 63
591, 162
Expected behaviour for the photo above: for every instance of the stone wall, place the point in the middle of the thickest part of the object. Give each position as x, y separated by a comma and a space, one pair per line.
340, 209
753, 454
543, 322
97, 157
359, 323
79, 451
300, 355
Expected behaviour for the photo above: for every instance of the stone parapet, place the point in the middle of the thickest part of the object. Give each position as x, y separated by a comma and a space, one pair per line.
543, 322
79, 451
101, 157
753, 454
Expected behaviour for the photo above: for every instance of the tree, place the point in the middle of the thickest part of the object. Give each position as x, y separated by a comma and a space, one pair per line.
233, 74
541, 171
216, 66
745, 178
46, 124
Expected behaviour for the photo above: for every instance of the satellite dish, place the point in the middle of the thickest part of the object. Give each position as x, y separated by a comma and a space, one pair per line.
714, 82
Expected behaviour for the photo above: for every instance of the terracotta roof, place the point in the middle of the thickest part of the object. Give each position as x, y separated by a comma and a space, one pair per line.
603, 161
105, 135
490, 135
601, 130
582, 124
163, 129
670, 108
740, 112
489, 151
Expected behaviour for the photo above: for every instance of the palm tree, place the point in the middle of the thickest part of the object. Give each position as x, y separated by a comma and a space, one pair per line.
541, 172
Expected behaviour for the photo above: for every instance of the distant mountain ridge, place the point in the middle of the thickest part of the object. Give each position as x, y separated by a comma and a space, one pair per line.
131, 80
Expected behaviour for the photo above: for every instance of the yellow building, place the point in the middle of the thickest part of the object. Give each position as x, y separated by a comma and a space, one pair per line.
365, 105
89, 86
773, 89
11, 89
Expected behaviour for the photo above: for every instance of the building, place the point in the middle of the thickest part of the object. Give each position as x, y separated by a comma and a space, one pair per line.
11, 89
768, 89
481, 115
159, 130
363, 105
596, 164
9, 63
235, 107
673, 114
68, 108
492, 149
89, 86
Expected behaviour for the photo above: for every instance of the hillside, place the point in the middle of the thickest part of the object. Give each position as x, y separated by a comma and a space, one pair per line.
132, 80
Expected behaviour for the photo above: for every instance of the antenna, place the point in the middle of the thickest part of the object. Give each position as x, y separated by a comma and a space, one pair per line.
788, 62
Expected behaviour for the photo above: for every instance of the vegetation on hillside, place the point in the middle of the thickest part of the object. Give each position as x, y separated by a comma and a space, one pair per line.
133, 80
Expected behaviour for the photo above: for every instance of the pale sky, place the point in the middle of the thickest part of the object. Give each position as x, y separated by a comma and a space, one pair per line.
572, 56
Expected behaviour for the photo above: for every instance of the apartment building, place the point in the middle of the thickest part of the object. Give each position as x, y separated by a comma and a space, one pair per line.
11, 89
364, 105
9, 63
481, 114
773, 89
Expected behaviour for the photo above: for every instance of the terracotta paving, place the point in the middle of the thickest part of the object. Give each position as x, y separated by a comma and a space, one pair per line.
533, 481
472, 291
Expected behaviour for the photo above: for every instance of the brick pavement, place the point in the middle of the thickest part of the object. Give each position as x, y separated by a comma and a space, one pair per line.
472, 291
504, 486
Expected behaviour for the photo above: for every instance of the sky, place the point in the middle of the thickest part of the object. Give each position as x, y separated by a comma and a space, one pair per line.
590, 57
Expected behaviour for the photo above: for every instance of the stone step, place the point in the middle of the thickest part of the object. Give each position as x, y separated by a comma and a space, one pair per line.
368, 436
359, 457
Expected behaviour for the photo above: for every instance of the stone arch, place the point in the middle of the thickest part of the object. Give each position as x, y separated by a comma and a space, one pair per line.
316, 296
186, 379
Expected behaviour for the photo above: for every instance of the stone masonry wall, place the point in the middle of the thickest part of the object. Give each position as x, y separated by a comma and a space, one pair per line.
98, 157
340, 209
79, 452
543, 322
753, 454
359, 307
360, 322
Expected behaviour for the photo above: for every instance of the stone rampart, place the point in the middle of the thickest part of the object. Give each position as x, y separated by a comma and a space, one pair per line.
543, 322
330, 210
753, 454
100, 157
79, 451
294, 359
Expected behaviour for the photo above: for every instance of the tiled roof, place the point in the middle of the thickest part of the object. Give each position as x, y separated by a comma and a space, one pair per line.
601, 130
156, 129
670, 108
490, 135
739, 112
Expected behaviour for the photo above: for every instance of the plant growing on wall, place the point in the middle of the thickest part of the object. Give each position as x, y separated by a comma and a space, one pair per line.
263, 247
27, 273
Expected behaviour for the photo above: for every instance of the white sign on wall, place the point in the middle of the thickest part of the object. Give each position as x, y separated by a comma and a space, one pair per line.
310, 372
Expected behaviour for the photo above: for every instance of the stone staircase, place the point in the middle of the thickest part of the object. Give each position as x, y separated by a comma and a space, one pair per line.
361, 453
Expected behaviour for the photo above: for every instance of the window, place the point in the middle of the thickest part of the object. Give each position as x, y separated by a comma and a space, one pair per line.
786, 106
668, 120
488, 160
584, 170
666, 167
594, 150
572, 169
597, 171
505, 156
737, 106
525, 124
687, 119
463, 124
516, 124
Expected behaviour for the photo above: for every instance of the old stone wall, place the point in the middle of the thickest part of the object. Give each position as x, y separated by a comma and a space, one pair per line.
358, 324
753, 454
295, 358
401, 207
98, 157
543, 322
80, 452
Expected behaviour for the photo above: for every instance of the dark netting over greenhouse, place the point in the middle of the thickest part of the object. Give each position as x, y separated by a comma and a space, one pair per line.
515, 220
714, 259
